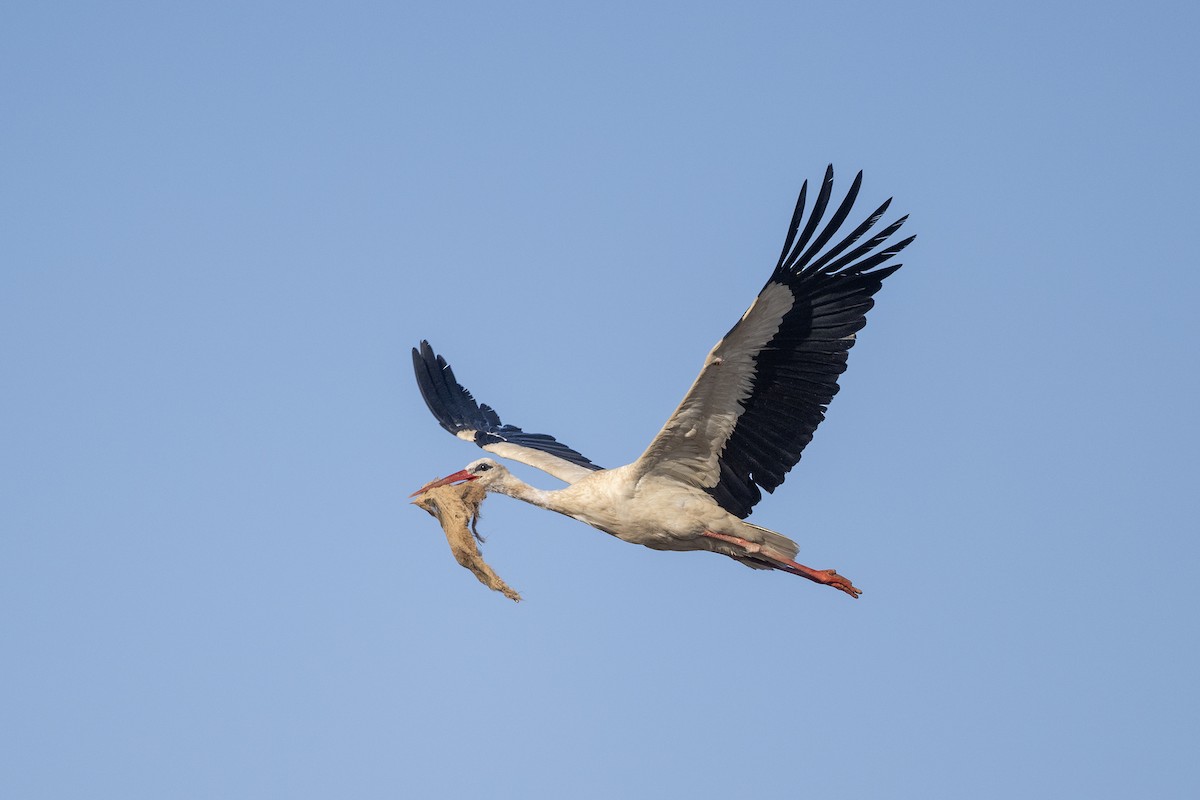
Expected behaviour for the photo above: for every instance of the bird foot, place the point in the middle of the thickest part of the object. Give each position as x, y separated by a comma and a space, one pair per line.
829, 577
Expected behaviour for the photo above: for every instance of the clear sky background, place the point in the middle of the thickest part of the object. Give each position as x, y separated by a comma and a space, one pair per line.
224, 225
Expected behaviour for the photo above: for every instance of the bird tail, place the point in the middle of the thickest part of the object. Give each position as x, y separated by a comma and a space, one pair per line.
769, 538
776, 541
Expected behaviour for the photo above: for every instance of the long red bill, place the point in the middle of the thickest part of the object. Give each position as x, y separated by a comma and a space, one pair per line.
461, 475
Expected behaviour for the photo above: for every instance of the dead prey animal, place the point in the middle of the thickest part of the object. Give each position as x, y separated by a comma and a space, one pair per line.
457, 509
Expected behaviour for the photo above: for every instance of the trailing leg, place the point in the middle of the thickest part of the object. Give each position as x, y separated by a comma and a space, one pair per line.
779, 561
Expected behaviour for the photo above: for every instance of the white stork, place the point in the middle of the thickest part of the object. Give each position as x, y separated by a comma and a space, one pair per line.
742, 426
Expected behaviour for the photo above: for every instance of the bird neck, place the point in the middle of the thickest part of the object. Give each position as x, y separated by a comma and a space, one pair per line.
515, 487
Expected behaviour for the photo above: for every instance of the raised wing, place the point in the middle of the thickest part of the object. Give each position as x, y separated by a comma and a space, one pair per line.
765, 387
457, 412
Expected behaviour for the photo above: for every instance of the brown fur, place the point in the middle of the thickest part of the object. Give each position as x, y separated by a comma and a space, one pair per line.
456, 507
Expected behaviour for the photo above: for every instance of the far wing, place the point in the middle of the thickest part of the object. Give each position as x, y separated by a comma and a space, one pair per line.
765, 387
457, 412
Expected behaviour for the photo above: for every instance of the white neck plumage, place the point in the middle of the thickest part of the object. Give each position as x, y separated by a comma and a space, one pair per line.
511, 485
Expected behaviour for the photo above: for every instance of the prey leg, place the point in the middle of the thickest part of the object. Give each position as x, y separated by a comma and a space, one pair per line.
827, 577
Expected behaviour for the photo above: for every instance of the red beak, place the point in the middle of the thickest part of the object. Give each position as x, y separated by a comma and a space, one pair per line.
461, 475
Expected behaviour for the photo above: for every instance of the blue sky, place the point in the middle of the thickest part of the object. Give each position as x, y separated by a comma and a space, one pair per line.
223, 226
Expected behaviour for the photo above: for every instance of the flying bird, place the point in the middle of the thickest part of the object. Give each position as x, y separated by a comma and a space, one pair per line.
742, 426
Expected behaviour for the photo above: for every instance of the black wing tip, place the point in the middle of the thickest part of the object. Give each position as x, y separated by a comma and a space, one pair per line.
425, 357
425, 354
800, 258
451, 404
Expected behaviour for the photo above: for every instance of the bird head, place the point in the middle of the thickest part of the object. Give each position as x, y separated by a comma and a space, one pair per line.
485, 470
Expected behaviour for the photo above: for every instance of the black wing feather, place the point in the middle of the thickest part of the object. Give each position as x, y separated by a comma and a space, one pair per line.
813, 220
797, 218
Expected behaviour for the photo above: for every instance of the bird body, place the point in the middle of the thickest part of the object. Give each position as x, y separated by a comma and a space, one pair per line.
656, 512
760, 395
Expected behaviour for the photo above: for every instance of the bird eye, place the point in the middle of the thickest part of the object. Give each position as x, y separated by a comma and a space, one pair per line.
483, 467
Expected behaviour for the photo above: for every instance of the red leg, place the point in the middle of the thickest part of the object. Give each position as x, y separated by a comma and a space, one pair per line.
827, 577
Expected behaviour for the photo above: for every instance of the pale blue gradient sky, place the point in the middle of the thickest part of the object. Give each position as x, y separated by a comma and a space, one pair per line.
222, 227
